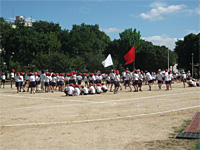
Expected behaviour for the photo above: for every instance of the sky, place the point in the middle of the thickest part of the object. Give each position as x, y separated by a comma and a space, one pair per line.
161, 22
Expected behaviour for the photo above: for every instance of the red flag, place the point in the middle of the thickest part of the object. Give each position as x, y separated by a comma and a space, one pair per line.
130, 56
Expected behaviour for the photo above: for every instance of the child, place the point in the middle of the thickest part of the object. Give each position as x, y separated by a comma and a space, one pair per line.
108, 80
98, 88
84, 90
67, 79
69, 91
47, 79
37, 81
86, 79
127, 80
104, 88
117, 82
167, 79
32, 84
17, 81
21, 81
135, 83
76, 90
140, 80
183, 78
149, 79
160, 79
91, 89
12, 77
79, 78
3, 79
53, 82
61, 82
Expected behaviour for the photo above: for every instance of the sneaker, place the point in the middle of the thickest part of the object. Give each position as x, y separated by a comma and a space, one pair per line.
120, 89
111, 91
140, 90
23, 90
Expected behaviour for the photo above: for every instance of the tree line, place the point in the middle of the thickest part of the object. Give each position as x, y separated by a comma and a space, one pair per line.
83, 48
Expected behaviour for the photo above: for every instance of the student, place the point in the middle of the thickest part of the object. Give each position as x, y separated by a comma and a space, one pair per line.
37, 81
86, 79
53, 82
104, 88
167, 79
79, 78
140, 80
91, 89
170, 79
61, 82
17, 81
21, 82
74, 77
76, 90
84, 90
112, 79
12, 77
69, 90
91, 78
47, 79
100, 78
98, 88
67, 79
3, 79
32, 84
149, 79
184, 78
160, 79
108, 80
57, 80
127, 80
135, 83
117, 82
42, 80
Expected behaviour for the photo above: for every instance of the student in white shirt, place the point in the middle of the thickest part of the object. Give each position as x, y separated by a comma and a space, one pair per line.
86, 79
160, 79
67, 79
91, 89
69, 91
170, 79
21, 82
84, 90
140, 80
108, 80
184, 78
61, 82
98, 88
17, 81
3, 79
135, 83
32, 84
104, 88
53, 82
117, 82
167, 79
79, 78
76, 90
12, 77
149, 79
128, 80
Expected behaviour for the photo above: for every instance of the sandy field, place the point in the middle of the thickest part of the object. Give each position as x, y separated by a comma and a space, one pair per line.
127, 120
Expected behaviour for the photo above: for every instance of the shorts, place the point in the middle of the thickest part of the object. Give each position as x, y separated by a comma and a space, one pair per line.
66, 82
184, 80
160, 82
37, 82
12, 79
61, 83
53, 83
73, 81
112, 81
86, 82
79, 82
46, 83
91, 81
21, 83
166, 82
150, 81
127, 81
32, 84
139, 83
17, 84
3, 81
107, 82
135, 82
116, 84
105, 90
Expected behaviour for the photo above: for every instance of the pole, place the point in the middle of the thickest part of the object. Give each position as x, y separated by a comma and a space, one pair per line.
192, 65
133, 65
168, 59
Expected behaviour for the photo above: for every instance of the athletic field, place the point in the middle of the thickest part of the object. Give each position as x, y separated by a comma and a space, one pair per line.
127, 120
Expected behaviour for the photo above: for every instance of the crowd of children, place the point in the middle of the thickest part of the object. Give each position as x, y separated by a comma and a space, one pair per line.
95, 83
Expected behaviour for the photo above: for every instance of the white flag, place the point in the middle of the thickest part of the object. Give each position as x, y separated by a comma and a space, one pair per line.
108, 61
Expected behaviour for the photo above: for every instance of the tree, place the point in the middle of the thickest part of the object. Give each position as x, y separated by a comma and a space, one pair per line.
185, 48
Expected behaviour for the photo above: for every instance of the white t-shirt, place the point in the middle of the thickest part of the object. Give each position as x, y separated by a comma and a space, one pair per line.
92, 90
117, 77
76, 91
159, 76
104, 87
53, 79
79, 77
12, 74
108, 78
32, 78
112, 75
85, 90
3, 77
17, 79
47, 78
184, 76
149, 77
128, 76
136, 76
67, 78
167, 77
85, 78
98, 88
21, 79
70, 90
42, 77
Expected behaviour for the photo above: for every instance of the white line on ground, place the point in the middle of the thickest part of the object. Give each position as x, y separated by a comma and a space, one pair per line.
96, 120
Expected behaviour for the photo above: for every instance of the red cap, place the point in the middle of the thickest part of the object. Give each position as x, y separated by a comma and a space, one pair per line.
146, 71
141, 71
35, 73
170, 71
79, 73
113, 70
136, 70
13, 70
98, 84
74, 72
38, 75
30, 73
99, 73
26, 82
82, 86
159, 70
108, 74
117, 72
76, 85
95, 73
126, 71
86, 74
53, 74
56, 73
166, 70
3, 73
91, 84
22, 73
61, 74
103, 83
71, 84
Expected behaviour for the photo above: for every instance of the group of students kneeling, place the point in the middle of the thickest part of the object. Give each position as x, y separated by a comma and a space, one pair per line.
75, 90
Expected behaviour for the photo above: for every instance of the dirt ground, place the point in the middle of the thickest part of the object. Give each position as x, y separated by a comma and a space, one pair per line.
127, 120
